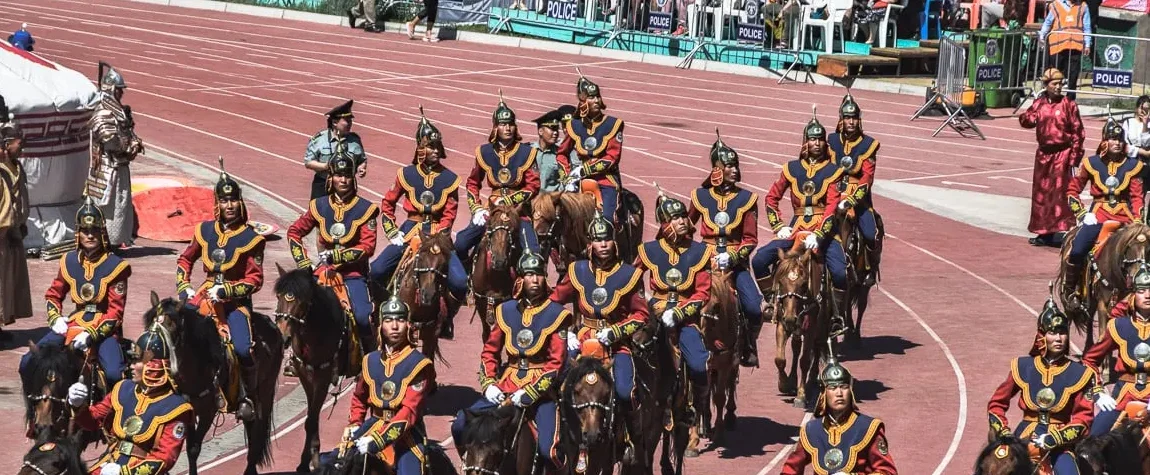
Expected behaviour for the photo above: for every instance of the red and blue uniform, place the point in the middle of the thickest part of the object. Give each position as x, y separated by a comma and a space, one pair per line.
689, 260
1128, 333
526, 352
741, 235
97, 289
440, 187
145, 432
598, 144
347, 231
231, 257
856, 445
513, 178
1117, 190
857, 159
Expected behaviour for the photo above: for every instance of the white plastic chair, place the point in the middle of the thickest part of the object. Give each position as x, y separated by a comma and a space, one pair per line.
720, 13
836, 11
887, 25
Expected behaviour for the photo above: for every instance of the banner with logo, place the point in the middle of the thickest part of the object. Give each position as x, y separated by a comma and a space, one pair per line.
469, 11
1113, 64
659, 16
753, 30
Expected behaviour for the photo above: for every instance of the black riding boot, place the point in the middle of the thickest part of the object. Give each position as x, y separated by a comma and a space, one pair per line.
842, 310
630, 454
873, 256
246, 409
750, 354
1071, 283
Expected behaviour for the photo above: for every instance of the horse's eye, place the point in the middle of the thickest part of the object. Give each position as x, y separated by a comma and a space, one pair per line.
289, 297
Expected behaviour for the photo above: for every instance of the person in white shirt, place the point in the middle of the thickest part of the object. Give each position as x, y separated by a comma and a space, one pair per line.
1138, 130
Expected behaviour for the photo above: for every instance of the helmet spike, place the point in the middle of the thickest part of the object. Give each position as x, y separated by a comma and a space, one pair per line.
577, 70
421, 114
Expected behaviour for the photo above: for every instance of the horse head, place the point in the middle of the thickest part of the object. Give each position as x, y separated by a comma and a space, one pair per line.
193, 341
53, 457
498, 242
51, 369
1118, 451
545, 214
588, 394
487, 439
1005, 455
796, 287
429, 266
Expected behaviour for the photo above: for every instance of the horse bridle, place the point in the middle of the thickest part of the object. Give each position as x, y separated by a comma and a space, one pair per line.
64, 415
41, 471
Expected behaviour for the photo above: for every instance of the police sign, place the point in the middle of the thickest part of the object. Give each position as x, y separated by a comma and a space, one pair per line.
988, 73
1114, 74
563, 10
750, 32
658, 21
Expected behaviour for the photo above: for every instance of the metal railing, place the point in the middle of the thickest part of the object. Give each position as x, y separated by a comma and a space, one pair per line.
951, 90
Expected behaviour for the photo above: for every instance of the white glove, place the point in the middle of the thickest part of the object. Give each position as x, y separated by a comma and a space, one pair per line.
604, 336
324, 257
397, 240
517, 397
479, 218
80, 343
1104, 402
572, 186
785, 232
363, 444
78, 395
494, 395
60, 326
811, 242
668, 318
215, 291
573, 342
186, 294
110, 469
723, 259
576, 173
1089, 219
1042, 440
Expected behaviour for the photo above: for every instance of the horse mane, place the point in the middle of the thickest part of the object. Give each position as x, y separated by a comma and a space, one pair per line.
326, 311
194, 334
487, 428
441, 239
1118, 449
722, 302
1112, 256
579, 209
47, 360
1018, 453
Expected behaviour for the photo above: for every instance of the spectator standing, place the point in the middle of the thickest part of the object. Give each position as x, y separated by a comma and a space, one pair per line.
1058, 128
15, 291
1066, 33
1138, 135
430, 11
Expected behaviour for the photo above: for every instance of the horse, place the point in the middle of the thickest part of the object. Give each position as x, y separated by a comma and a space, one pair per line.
561, 219
1004, 456
722, 332
588, 410
803, 317
58, 456
492, 275
1122, 450
354, 463
422, 286
314, 325
51, 370
199, 359
497, 440
1106, 277
858, 259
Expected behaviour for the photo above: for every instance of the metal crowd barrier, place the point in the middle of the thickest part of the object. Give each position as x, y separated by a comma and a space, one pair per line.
1116, 67
951, 90
739, 26
1003, 66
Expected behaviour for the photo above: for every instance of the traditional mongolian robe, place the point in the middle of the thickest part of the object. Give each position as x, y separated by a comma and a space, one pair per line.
114, 146
15, 292
1060, 135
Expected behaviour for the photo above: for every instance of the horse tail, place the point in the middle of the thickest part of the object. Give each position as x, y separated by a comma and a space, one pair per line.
259, 431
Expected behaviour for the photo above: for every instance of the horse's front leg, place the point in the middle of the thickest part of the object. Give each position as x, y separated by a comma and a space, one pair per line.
800, 367
195, 442
781, 359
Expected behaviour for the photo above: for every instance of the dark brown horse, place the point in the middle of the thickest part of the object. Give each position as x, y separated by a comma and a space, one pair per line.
801, 317
1122, 450
314, 325
492, 274
353, 463
422, 285
499, 441
590, 416
858, 261
198, 356
1106, 276
58, 456
561, 220
1004, 456
50, 371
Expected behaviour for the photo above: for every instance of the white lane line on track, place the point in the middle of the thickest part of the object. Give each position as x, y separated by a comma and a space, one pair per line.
950, 175
785, 451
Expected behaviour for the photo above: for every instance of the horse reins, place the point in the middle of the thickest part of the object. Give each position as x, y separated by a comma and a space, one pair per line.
40, 470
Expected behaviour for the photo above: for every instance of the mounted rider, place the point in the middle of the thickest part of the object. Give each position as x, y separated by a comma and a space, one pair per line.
722, 200
608, 300
231, 253
507, 165
522, 360
680, 287
856, 153
597, 140
1056, 407
96, 283
336, 139
346, 239
1128, 333
390, 399
144, 419
840, 439
811, 181
1116, 187
431, 198
114, 145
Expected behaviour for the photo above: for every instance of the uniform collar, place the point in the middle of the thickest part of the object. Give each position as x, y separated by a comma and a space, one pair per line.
390, 354
551, 149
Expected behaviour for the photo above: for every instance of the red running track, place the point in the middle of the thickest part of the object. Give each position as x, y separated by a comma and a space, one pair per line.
955, 304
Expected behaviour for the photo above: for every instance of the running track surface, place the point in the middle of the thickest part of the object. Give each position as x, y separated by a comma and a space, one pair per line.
956, 303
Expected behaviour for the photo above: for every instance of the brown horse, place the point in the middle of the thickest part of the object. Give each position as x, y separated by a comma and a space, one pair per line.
590, 415
1004, 456
799, 290
199, 356
492, 276
859, 259
1106, 276
561, 221
51, 369
352, 463
722, 332
314, 325
422, 285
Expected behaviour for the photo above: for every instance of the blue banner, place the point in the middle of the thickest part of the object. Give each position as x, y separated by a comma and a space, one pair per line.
750, 33
1113, 78
658, 21
563, 10
988, 73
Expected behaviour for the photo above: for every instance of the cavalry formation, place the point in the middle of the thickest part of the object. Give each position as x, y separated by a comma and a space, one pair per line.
595, 371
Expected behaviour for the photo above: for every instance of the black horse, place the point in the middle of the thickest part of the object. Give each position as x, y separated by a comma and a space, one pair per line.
199, 357
1122, 450
1004, 456
353, 463
53, 457
497, 440
50, 371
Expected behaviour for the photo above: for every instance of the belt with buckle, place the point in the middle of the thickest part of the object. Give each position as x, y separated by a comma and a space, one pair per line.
1136, 378
596, 323
91, 308
383, 414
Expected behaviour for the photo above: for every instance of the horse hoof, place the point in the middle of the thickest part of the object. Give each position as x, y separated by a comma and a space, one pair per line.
303, 467
691, 453
731, 422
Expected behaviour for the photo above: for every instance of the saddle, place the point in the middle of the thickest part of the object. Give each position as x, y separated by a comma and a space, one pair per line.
91, 359
351, 355
1043, 466
1108, 228
588, 186
228, 392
